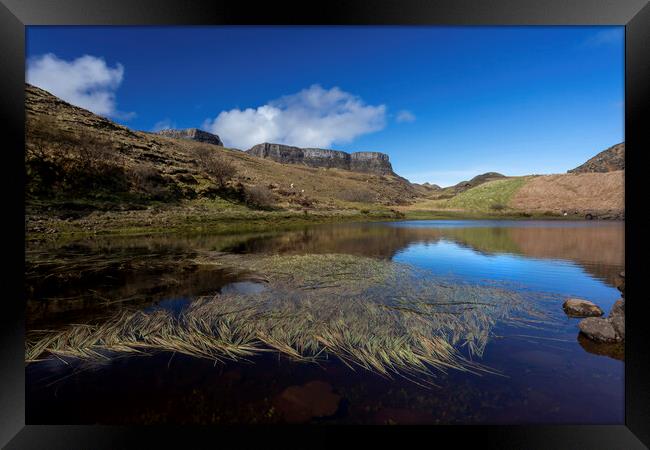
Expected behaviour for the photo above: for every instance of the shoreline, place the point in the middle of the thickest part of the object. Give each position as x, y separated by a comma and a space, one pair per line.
62, 225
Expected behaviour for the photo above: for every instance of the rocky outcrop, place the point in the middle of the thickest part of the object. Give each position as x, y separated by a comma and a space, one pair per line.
598, 329
610, 329
576, 307
370, 162
621, 284
194, 134
373, 162
608, 160
617, 318
317, 157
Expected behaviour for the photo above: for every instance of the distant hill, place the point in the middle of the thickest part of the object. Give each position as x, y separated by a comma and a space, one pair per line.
608, 160
426, 189
477, 180
436, 192
574, 196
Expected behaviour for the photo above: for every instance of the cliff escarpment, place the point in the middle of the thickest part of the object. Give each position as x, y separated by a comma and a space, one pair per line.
193, 134
367, 162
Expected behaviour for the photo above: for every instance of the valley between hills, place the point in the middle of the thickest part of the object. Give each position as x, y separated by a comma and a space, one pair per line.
87, 175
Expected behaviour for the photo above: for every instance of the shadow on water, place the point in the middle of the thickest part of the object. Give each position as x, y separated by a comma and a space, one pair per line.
547, 376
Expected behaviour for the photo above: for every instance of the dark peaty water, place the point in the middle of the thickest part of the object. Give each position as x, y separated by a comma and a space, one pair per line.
546, 374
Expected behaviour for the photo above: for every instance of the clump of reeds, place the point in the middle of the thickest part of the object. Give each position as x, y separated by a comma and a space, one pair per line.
378, 315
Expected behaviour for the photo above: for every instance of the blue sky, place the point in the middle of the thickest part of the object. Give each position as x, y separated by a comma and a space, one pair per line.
446, 103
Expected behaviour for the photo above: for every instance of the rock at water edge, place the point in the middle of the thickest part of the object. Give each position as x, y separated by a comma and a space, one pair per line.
598, 329
577, 307
617, 317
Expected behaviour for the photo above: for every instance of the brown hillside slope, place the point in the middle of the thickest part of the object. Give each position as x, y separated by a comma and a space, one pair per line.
56, 129
585, 192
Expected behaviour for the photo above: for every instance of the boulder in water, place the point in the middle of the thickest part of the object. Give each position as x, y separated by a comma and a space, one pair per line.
576, 307
617, 317
598, 329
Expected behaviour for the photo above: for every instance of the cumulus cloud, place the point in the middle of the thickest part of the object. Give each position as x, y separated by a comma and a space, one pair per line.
87, 82
164, 124
313, 117
405, 116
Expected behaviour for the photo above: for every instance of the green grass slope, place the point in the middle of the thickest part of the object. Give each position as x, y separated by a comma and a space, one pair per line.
491, 196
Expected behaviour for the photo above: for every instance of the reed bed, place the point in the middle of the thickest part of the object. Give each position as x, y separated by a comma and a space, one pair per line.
381, 316
73, 264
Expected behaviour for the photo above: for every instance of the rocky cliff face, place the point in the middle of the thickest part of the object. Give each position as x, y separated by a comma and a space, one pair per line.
194, 134
370, 162
608, 160
374, 162
318, 157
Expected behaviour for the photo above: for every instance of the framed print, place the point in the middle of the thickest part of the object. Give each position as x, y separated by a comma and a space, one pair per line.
237, 221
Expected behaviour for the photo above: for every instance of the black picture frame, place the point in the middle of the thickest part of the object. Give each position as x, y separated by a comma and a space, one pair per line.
633, 14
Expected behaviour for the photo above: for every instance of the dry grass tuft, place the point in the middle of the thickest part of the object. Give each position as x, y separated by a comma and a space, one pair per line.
377, 315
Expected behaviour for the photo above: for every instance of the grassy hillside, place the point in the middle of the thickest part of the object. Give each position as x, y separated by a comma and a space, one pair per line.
600, 195
87, 173
491, 196
73, 153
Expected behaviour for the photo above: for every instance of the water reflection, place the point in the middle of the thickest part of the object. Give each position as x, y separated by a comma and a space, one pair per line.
574, 258
596, 247
550, 375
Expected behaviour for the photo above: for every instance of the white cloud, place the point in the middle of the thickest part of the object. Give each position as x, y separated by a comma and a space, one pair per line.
87, 82
605, 37
405, 116
313, 117
163, 125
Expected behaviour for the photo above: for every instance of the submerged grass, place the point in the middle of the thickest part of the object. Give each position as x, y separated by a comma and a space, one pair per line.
378, 315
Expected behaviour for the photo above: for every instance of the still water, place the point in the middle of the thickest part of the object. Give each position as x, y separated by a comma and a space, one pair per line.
535, 374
